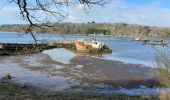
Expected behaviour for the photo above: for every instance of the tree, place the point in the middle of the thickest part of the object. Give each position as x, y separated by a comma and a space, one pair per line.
35, 12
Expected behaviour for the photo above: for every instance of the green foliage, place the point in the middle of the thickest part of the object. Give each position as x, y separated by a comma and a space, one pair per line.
168, 33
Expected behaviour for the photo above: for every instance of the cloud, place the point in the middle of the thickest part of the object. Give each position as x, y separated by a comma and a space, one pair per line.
119, 11
10, 15
152, 14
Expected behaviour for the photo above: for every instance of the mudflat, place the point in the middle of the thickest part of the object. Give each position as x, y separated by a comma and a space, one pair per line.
81, 71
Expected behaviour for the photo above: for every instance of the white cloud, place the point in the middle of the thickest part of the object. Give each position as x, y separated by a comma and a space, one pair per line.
9, 15
7, 10
118, 11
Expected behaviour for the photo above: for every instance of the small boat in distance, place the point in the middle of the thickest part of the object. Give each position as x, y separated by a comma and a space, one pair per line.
140, 39
91, 46
137, 39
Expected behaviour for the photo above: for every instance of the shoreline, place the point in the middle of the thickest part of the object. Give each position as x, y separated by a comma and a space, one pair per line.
10, 91
108, 36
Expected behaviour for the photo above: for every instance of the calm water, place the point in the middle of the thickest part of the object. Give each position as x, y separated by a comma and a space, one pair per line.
123, 48
61, 69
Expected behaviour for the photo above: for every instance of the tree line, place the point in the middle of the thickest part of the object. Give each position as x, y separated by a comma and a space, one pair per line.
112, 29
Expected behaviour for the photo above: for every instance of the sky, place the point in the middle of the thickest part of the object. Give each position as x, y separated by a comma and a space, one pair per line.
144, 12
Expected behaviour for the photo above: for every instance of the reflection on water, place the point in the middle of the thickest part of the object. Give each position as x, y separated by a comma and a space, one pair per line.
60, 55
81, 54
64, 56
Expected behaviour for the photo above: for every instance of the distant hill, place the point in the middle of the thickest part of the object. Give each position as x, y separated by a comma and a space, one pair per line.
114, 29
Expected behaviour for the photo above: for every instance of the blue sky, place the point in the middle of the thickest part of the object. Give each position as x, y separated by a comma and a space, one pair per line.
145, 12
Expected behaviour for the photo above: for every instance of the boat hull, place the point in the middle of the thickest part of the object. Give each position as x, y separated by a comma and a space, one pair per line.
81, 47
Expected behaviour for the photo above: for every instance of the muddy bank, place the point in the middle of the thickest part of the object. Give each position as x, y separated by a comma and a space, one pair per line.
114, 73
87, 74
88, 69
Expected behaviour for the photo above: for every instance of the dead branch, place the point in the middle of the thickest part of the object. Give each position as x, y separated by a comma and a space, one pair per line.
50, 8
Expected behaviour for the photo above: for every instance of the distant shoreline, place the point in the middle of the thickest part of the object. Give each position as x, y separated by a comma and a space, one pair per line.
132, 37
99, 29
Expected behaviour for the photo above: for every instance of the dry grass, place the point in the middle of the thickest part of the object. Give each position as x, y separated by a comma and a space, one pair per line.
164, 78
164, 96
163, 72
163, 64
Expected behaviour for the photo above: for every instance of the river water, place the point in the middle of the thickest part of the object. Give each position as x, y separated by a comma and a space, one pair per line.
65, 70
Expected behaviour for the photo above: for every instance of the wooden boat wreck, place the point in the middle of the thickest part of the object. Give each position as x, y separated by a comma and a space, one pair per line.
81, 46
91, 46
156, 43
16, 49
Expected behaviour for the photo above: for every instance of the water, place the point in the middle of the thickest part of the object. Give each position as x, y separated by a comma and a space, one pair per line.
131, 52
59, 55
62, 69
123, 48
23, 75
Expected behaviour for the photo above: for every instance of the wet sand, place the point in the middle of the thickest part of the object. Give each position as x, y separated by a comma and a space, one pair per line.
40, 71
114, 72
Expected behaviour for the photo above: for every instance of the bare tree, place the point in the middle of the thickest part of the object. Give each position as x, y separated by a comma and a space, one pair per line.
36, 12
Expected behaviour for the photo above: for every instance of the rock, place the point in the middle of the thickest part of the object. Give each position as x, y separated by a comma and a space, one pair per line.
6, 76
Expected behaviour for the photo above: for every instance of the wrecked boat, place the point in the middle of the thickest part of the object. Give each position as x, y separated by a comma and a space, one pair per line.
91, 46
156, 43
